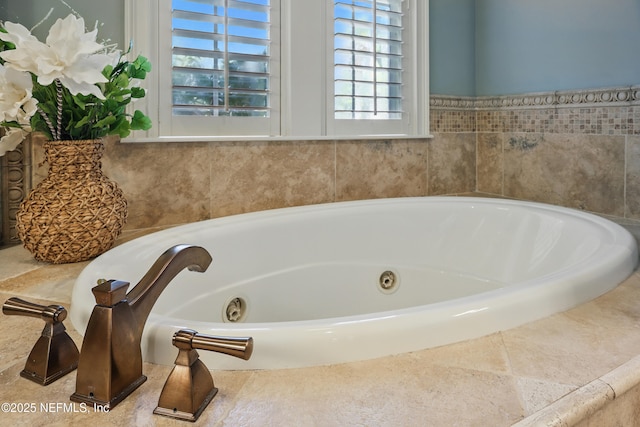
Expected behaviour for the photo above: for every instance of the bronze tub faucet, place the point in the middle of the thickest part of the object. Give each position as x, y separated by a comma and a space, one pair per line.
110, 365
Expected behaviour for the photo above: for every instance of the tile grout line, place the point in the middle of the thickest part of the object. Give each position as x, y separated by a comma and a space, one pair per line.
513, 378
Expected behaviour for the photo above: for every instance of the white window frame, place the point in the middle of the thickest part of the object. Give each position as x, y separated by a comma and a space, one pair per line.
304, 108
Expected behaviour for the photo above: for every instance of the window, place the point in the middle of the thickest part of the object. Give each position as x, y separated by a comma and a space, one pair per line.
368, 59
218, 68
220, 57
283, 69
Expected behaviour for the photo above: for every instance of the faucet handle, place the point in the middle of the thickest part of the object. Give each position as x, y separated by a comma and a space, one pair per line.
241, 347
189, 387
19, 307
54, 354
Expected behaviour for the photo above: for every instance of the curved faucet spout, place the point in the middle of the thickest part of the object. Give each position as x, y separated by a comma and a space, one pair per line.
110, 365
144, 295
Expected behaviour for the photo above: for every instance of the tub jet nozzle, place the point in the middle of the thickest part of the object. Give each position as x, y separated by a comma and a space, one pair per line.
388, 280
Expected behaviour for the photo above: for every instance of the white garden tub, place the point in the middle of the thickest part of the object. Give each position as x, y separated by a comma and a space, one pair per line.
349, 281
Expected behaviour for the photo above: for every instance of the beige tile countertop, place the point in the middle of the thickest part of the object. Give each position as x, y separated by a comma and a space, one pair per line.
582, 357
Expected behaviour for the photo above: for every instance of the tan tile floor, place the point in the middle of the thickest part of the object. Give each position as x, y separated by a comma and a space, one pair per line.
495, 381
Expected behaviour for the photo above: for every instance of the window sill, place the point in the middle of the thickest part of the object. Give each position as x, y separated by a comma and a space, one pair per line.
227, 138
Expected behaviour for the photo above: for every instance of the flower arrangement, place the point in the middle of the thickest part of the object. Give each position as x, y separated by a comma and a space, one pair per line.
69, 88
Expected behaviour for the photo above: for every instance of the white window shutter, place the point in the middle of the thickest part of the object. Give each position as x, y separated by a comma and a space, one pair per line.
368, 59
221, 58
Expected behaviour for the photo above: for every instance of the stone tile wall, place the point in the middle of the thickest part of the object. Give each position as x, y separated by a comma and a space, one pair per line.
174, 183
577, 149
580, 150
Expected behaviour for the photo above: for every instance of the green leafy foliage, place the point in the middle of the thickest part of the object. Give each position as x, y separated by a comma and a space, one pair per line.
87, 116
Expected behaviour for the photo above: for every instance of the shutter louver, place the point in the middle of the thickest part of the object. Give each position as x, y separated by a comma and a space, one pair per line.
220, 57
368, 59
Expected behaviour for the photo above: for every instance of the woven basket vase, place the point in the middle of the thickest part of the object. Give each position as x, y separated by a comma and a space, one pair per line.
76, 212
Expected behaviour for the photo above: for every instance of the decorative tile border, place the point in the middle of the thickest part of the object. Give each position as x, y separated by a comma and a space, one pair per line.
612, 111
452, 120
451, 102
622, 120
619, 96
611, 97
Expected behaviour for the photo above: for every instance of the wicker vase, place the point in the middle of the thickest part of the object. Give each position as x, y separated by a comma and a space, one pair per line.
76, 212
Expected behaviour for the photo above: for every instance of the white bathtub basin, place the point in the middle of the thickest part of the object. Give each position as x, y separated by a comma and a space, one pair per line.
309, 277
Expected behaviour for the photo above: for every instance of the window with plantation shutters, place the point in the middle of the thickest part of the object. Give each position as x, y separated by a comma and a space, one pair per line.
379, 79
283, 69
368, 59
217, 67
220, 57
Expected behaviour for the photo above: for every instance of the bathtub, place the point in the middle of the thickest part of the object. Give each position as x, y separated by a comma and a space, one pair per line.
349, 281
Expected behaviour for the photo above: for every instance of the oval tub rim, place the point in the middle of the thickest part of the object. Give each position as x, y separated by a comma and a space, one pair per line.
464, 309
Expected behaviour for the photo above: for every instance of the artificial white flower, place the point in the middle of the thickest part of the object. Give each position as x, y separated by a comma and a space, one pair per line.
16, 105
58, 87
12, 137
16, 100
69, 55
